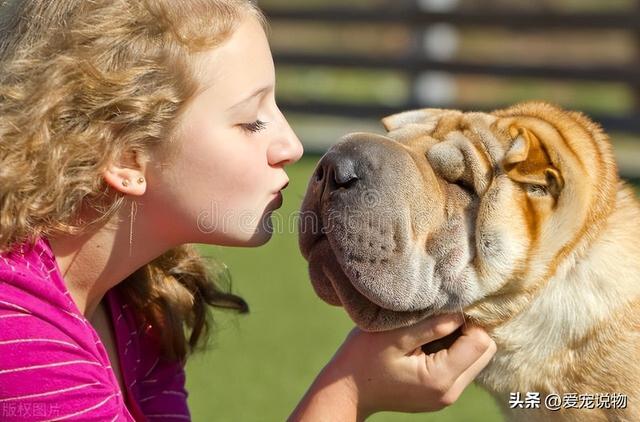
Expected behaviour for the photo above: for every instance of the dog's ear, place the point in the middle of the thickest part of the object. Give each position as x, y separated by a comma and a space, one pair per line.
413, 123
423, 116
528, 162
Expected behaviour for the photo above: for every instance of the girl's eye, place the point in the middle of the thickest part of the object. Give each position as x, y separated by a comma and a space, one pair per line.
256, 126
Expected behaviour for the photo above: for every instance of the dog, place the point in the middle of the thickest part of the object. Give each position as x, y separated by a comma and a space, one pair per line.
516, 218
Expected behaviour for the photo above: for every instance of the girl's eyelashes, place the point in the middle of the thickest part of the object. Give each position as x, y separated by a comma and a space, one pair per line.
254, 127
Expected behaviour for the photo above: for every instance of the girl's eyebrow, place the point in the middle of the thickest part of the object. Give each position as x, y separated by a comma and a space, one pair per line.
256, 93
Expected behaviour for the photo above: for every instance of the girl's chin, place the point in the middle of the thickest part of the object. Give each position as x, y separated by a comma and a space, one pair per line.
258, 238
244, 235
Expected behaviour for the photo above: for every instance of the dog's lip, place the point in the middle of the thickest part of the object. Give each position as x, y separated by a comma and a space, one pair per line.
315, 238
310, 235
378, 319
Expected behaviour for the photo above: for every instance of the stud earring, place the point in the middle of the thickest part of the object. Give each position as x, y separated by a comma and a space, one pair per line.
141, 180
125, 182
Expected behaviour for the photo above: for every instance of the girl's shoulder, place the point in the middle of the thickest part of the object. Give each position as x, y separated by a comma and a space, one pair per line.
51, 365
31, 284
35, 306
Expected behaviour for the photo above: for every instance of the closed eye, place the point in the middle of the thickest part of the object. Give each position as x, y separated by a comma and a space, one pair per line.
254, 127
537, 190
465, 186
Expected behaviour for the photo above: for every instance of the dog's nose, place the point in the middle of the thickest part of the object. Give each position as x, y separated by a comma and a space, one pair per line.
336, 171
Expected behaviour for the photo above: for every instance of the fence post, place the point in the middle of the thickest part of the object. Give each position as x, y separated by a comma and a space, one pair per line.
438, 42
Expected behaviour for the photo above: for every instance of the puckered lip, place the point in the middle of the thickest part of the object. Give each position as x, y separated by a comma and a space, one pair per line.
368, 315
283, 187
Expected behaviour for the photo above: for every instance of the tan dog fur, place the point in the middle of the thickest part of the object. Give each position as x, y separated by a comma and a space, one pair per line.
554, 260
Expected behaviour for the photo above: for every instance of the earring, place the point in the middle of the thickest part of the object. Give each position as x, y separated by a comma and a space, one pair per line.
132, 217
141, 180
125, 182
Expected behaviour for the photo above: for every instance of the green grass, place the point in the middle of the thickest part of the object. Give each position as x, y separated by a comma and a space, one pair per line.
261, 364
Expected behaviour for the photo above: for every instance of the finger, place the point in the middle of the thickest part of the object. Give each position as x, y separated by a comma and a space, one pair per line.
429, 329
470, 374
466, 350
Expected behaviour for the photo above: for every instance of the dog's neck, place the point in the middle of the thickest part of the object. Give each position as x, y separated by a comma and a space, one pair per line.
556, 323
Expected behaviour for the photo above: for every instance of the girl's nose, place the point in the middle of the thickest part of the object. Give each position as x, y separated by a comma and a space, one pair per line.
287, 148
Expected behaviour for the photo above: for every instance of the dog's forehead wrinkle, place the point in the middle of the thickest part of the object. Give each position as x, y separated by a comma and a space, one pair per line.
456, 136
424, 115
481, 124
477, 118
412, 131
489, 140
364, 137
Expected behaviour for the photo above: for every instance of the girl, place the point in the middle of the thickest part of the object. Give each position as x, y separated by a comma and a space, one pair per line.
128, 129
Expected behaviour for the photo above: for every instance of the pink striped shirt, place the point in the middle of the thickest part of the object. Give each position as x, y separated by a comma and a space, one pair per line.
53, 365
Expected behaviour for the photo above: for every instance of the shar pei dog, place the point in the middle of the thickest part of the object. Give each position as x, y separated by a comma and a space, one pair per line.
516, 218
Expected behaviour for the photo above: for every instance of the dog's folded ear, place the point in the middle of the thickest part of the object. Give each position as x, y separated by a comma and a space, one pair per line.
425, 116
528, 162
413, 123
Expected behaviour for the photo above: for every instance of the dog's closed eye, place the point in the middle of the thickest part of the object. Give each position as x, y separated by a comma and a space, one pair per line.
465, 186
537, 190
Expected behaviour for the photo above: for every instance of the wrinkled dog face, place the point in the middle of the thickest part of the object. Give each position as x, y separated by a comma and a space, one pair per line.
441, 213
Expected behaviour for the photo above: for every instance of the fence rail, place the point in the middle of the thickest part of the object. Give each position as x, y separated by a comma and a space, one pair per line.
601, 73
416, 62
411, 16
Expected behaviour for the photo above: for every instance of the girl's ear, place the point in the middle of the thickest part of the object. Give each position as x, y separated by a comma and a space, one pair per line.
127, 174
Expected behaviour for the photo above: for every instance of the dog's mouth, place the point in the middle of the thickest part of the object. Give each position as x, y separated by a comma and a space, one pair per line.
333, 286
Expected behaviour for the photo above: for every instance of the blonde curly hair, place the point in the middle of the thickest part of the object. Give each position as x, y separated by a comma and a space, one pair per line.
81, 83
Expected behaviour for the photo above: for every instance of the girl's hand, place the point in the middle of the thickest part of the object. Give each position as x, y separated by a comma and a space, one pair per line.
388, 371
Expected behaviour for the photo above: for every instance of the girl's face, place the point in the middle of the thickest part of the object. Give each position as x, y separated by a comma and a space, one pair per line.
223, 182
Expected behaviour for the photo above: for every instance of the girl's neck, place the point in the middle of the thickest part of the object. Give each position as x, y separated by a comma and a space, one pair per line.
99, 259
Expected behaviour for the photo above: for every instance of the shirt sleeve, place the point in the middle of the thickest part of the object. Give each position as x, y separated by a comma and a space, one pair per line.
163, 395
46, 374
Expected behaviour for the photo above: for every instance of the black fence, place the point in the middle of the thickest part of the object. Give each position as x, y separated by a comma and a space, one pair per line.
416, 62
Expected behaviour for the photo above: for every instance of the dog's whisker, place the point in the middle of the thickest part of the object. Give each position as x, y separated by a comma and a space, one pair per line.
464, 320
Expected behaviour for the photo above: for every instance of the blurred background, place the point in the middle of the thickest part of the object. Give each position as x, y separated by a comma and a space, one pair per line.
341, 66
